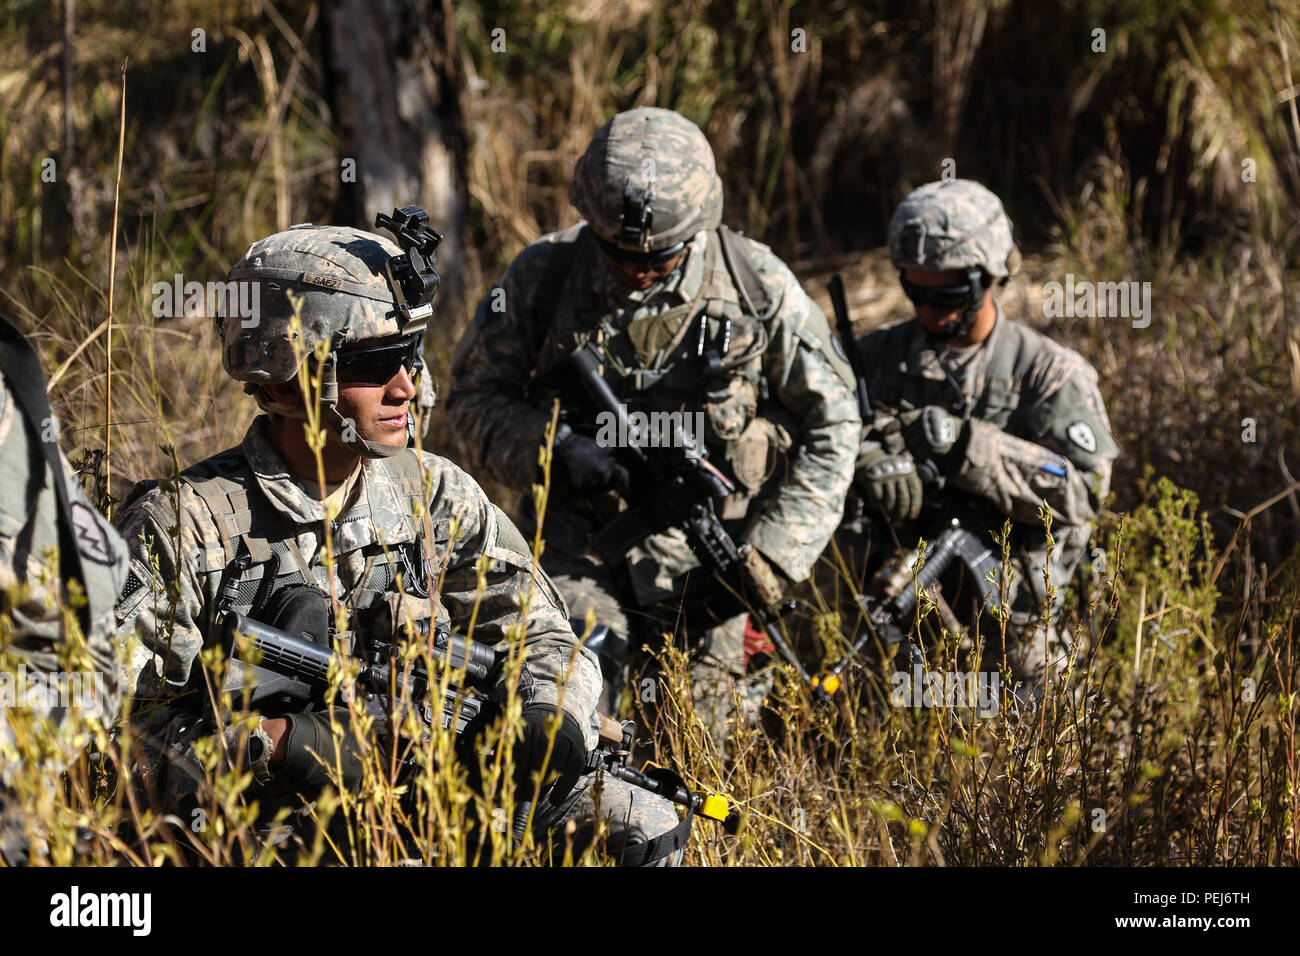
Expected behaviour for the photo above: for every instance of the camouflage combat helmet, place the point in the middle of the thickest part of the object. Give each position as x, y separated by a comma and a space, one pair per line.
647, 182
952, 224
352, 286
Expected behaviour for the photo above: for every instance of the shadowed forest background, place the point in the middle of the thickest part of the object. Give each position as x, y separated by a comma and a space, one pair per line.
1130, 141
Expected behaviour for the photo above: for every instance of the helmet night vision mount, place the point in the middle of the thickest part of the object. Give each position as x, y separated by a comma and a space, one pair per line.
414, 281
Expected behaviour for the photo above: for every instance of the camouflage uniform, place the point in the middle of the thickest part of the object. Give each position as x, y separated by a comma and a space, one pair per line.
246, 500
32, 636
1036, 424
779, 416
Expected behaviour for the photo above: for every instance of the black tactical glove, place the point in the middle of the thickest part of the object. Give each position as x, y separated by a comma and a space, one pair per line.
932, 433
889, 482
311, 732
583, 465
568, 755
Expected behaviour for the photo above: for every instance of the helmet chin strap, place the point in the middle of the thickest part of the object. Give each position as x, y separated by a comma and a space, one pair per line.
329, 397
366, 449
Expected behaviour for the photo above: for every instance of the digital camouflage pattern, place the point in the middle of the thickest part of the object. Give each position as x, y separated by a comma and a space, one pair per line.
655, 148
952, 224
40, 664
727, 342
1038, 431
340, 278
375, 529
780, 419
633, 815
32, 626
378, 517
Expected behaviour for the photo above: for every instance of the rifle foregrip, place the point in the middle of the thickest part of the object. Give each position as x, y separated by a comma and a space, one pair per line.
278, 650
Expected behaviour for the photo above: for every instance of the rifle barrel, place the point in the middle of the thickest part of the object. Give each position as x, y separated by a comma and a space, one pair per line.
844, 325
292, 656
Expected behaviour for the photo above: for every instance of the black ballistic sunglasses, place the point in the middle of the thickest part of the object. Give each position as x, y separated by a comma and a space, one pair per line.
941, 298
635, 258
377, 364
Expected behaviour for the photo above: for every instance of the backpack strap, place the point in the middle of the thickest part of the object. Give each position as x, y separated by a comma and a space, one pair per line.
229, 504
740, 266
551, 287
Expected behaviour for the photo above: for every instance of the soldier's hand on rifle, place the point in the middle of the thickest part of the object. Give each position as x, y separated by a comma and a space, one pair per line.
761, 581
308, 748
889, 482
568, 753
931, 433
585, 465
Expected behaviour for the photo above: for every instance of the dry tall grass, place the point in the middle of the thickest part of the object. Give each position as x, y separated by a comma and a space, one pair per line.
1120, 165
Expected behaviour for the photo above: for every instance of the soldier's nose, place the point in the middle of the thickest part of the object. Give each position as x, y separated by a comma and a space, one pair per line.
401, 386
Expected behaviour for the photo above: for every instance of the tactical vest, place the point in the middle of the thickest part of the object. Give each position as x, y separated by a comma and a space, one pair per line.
246, 520
1008, 366
1008, 362
703, 355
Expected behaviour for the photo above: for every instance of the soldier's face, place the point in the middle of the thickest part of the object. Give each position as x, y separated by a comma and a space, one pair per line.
379, 410
636, 275
934, 320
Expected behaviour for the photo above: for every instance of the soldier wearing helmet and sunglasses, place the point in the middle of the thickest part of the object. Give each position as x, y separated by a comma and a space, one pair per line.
980, 415
246, 532
688, 319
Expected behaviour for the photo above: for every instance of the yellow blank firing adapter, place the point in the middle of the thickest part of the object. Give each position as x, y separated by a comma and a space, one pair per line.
829, 683
720, 808
715, 807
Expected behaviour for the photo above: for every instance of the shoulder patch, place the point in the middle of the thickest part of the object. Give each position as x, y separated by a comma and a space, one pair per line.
1081, 434
92, 540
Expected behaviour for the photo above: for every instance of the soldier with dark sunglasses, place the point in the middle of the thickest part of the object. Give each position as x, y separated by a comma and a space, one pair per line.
982, 416
267, 531
692, 323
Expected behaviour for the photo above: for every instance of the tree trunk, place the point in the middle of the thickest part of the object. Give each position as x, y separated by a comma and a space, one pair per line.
392, 76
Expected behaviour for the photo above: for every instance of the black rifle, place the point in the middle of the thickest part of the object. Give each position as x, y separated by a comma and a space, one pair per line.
612, 755
844, 326
384, 676
889, 610
891, 607
308, 664
673, 485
